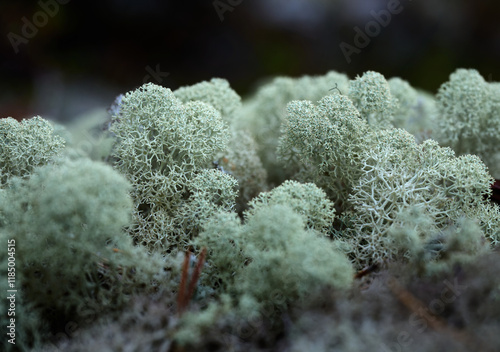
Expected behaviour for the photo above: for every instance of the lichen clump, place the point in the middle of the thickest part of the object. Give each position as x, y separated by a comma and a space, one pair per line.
26, 145
165, 148
325, 212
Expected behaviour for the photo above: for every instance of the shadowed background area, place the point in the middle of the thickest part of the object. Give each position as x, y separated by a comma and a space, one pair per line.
62, 58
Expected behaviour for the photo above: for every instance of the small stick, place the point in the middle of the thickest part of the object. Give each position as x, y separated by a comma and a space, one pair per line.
366, 271
437, 323
196, 274
185, 296
337, 88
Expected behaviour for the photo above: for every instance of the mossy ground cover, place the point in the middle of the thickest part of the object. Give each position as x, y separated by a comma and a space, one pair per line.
303, 218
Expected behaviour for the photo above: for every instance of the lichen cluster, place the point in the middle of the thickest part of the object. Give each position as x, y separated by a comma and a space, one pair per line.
468, 109
165, 148
325, 207
374, 172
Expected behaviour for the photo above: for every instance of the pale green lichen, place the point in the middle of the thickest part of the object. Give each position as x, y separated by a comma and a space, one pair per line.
180, 158
416, 110
67, 222
288, 262
162, 147
25, 332
88, 136
322, 143
429, 248
242, 161
25, 145
371, 95
264, 113
223, 236
372, 173
216, 92
272, 255
305, 199
398, 174
468, 115
211, 191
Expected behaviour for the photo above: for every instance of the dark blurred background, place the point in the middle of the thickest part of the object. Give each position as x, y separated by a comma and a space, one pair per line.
60, 58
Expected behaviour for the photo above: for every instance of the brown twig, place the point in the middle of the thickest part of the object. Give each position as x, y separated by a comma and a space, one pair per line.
196, 274
184, 296
415, 305
366, 271
435, 322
